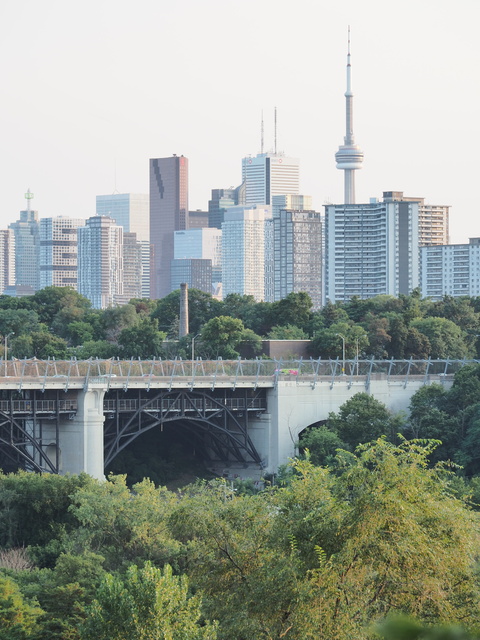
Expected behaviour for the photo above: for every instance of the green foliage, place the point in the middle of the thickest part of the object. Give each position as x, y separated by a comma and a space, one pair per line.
143, 340
361, 419
321, 444
287, 332
202, 307
124, 526
18, 618
447, 340
34, 509
148, 604
221, 336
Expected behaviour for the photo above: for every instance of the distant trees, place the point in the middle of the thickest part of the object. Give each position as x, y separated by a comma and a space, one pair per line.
381, 327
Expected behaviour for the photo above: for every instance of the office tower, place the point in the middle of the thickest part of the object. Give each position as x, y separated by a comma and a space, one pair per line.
298, 254
100, 261
200, 244
451, 270
129, 210
196, 273
132, 268
243, 251
371, 249
58, 251
267, 175
27, 245
147, 261
433, 219
223, 199
197, 219
349, 157
7, 259
168, 213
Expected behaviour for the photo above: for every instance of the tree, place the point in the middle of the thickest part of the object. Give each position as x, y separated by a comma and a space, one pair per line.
220, 337
148, 604
328, 343
295, 309
18, 618
57, 307
447, 340
202, 307
402, 544
287, 332
143, 340
321, 444
362, 419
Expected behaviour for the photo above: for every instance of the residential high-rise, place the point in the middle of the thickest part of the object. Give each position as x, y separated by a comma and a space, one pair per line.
7, 259
433, 219
451, 270
129, 210
267, 175
132, 268
297, 253
168, 213
100, 261
58, 251
27, 245
349, 157
243, 251
371, 249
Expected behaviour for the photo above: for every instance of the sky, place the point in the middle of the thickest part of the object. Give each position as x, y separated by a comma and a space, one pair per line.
90, 90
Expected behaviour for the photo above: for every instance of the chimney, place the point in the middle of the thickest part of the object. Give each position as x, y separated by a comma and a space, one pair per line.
183, 328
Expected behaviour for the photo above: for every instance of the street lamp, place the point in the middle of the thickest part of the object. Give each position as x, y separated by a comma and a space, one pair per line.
5, 353
343, 352
193, 349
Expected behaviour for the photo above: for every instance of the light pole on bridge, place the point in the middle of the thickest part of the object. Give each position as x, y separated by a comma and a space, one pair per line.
343, 352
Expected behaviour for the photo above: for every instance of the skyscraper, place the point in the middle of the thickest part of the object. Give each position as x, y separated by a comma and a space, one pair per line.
297, 253
267, 175
168, 213
7, 259
129, 210
243, 251
349, 157
100, 261
27, 244
371, 249
221, 200
433, 219
58, 251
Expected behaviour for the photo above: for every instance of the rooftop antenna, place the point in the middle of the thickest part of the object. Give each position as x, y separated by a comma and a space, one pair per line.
28, 197
261, 135
275, 129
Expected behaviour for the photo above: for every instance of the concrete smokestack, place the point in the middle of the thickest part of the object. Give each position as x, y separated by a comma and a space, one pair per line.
183, 328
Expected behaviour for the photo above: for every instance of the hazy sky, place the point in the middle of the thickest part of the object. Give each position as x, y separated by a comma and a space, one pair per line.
90, 90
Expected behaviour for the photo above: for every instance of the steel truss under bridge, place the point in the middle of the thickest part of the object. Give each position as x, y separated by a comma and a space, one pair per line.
218, 419
29, 429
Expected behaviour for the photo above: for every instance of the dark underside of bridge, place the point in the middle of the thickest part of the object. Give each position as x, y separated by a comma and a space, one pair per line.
154, 429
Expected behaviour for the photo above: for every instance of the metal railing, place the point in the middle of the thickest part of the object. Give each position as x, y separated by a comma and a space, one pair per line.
121, 373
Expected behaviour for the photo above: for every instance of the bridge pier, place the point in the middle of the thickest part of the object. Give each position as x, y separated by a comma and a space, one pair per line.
81, 438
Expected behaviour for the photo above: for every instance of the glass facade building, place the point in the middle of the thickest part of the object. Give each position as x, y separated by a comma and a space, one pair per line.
168, 213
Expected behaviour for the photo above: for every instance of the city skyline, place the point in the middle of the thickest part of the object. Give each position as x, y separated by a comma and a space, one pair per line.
82, 117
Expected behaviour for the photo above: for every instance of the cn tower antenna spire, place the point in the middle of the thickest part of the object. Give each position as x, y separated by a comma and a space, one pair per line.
349, 157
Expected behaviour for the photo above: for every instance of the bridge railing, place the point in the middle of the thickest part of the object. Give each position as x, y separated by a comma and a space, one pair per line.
230, 371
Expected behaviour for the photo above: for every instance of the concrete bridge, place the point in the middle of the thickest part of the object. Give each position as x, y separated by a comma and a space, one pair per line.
244, 416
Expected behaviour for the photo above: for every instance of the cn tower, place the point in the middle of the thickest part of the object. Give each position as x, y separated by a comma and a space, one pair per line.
349, 157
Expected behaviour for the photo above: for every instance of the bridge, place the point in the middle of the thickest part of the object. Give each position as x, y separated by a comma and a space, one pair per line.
244, 416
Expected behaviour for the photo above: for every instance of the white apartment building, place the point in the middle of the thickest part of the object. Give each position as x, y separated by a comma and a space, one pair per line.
58, 251
100, 261
243, 251
371, 249
7, 259
451, 270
